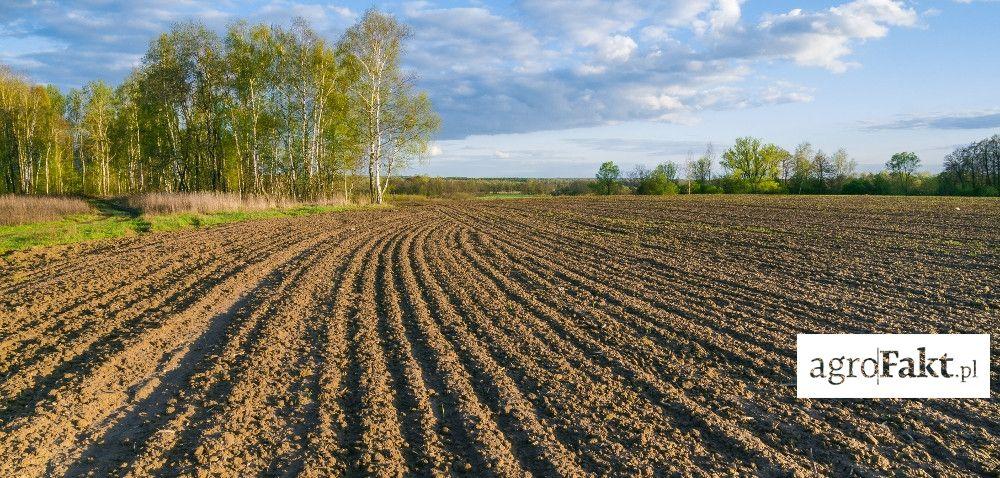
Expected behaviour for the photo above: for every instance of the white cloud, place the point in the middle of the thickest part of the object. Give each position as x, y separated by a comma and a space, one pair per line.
569, 64
654, 34
726, 14
825, 37
543, 64
590, 69
471, 41
616, 48
661, 102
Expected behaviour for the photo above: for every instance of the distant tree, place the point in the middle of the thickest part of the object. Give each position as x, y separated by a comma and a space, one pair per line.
903, 163
973, 169
637, 175
802, 165
822, 169
670, 169
608, 178
902, 166
879, 183
751, 164
843, 169
775, 158
787, 168
659, 181
689, 168
740, 161
575, 188
702, 168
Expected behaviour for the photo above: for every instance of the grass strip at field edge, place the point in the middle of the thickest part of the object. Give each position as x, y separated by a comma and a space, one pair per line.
88, 227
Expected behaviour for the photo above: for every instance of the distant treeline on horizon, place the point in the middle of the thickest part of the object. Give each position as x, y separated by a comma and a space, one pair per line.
750, 166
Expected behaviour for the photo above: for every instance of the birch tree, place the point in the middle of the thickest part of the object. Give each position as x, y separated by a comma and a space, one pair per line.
802, 165
398, 122
269, 110
98, 115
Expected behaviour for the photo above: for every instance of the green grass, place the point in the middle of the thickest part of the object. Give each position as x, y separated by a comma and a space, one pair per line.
172, 222
78, 228
109, 224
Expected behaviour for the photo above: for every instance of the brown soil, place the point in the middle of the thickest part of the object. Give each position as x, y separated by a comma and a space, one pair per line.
563, 337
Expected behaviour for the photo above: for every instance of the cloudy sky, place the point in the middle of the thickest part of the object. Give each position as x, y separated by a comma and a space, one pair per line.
553, 88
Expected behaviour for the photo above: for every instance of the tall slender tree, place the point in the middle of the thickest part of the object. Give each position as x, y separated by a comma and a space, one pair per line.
98, 114
398, 122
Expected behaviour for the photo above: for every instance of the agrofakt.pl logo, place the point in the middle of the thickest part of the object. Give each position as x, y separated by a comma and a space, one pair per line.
893, 365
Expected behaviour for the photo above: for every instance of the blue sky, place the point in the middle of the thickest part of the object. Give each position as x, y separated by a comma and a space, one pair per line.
553, 88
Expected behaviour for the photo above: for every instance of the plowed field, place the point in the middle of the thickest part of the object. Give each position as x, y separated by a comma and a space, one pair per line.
552, 337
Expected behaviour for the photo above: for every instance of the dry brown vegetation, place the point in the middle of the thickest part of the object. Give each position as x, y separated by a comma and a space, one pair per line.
556, 337
209, 202
16, 209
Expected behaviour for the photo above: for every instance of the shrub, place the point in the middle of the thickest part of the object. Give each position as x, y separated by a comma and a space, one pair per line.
658, 182
873, 184
577, 187
209, 202
24, 209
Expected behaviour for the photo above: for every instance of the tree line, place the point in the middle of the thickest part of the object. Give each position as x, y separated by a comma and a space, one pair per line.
461, 187
752, 166
973, 169
262, 110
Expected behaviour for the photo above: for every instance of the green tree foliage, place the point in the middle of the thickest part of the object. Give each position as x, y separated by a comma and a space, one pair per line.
659, 181
702, 171
822, 170
843, 167
752, 166
397, 122
903, 163
35, 153
801, 168
608, 179
98, 114
699, 171
181, 88
774, 158
264, 110
902, 166
787, 168
872, 184
973, 169
577, 187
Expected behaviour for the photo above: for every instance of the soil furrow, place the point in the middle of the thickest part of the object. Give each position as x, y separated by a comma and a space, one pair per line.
492, 452
546, 337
